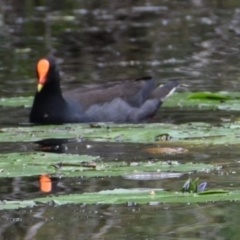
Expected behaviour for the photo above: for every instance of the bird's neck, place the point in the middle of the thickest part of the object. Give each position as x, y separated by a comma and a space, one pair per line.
52, 89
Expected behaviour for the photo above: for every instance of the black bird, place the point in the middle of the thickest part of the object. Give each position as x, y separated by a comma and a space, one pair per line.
120, 102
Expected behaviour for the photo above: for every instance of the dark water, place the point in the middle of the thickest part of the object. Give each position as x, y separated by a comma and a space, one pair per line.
195, 41
207, 221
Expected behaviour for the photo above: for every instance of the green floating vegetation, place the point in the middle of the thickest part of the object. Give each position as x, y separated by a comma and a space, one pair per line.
16, 102
34, 164
190, 133
127, 196
202, 100
209, 96
205, 100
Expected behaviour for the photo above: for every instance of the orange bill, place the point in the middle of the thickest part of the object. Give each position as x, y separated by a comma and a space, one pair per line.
42, 70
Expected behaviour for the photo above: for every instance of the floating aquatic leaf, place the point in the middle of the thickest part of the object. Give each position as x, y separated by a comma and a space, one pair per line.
191, 133
30, 164
120, 196
16, 102
209, 95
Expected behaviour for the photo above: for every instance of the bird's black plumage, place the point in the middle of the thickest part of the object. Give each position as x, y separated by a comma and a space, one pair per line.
127, 101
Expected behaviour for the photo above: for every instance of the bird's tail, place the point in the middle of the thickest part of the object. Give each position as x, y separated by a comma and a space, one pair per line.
164, 91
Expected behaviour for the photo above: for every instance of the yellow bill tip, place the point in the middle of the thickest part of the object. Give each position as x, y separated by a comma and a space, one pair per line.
39, 87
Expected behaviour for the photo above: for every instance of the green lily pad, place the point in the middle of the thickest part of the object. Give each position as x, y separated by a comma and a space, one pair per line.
209, 95
205, 100
32, 164
16, 102
121, 196
191, 133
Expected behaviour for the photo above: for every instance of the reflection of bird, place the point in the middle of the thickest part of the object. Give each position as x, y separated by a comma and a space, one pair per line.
129, 101
45, 183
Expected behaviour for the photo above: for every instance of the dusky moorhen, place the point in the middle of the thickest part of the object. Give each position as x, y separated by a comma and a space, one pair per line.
129, 101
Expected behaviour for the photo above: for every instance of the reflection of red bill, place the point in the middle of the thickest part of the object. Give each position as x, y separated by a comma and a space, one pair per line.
45, 183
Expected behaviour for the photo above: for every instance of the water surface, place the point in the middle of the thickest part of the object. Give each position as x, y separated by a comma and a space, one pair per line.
194, 41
